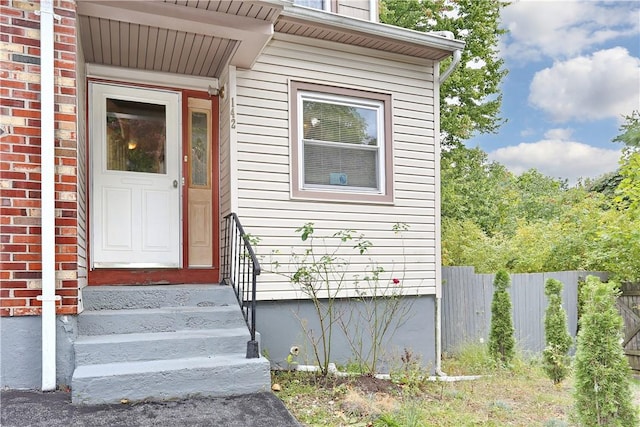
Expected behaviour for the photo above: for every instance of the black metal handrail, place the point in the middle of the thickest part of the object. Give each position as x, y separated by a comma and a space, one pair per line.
240, 270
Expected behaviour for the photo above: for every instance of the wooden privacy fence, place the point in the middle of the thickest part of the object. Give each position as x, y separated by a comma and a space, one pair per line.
629, 306
466, 306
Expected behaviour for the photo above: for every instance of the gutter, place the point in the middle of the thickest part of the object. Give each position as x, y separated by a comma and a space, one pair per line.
47, 208
385, 31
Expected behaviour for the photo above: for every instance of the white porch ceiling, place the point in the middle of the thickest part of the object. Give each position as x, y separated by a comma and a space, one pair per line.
197, 38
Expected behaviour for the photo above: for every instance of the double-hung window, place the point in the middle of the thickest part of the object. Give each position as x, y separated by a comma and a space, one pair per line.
341, 144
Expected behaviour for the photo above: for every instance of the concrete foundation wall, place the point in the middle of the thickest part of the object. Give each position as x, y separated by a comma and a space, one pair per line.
279, 323
21, 351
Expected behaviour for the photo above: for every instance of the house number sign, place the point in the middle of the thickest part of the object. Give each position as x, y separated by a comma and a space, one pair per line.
233, 113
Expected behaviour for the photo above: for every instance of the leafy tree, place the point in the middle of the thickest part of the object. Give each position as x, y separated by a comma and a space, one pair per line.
461, 239
619, 235
630, 132
530, 246
540, 196
470, 98
478, 190
617, 245
558, 341
602, 379
502, 341
627, 194
576, 238
605, 184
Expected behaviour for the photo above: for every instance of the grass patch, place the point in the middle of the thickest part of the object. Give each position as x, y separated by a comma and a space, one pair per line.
520, 396
470, 359
503, 398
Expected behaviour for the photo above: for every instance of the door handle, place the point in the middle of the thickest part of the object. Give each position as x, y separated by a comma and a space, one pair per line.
175, 183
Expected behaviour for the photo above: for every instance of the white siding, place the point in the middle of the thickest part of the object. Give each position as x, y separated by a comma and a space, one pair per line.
264, 203
354, 8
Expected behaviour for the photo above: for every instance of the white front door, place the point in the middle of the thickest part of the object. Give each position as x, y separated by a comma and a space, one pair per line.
136, 181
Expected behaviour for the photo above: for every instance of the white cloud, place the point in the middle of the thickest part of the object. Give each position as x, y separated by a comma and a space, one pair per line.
560, 29
605, 84
559, 134
558, 158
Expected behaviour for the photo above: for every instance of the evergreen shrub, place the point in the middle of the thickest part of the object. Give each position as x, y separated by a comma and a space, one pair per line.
502, 340
556, 361
602, 375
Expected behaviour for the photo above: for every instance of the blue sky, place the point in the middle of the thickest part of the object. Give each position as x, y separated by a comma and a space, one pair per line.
574, 71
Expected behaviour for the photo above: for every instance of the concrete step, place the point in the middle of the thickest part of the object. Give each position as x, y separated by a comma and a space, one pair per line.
163, 342
169, 319
156, 296
169, 379
101, 349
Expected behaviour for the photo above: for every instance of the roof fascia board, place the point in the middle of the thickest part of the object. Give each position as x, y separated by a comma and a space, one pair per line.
253, 34
372, 29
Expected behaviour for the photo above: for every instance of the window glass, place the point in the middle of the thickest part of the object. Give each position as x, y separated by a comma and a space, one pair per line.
199, 148
327, 121
315, 4
329, 165
136, 136
341, 142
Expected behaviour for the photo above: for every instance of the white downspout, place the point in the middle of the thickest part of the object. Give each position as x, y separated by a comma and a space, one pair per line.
457, 55
47, 170
438, 369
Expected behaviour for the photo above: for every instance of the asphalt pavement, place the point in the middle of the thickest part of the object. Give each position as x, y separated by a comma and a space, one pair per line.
20, 408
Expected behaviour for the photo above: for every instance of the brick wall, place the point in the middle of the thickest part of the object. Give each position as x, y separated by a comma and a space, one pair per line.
20, 215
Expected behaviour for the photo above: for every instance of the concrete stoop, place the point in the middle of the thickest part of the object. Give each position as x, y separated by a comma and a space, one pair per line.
163, 342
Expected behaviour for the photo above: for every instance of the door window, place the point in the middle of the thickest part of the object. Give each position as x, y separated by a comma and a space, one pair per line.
136, 136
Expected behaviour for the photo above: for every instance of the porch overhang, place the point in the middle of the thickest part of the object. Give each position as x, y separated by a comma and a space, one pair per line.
201, 38
178, 37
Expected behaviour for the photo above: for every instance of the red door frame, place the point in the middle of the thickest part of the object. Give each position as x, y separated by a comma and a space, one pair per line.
149, 276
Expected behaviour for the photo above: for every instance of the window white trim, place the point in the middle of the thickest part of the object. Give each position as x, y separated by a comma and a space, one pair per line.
380, 104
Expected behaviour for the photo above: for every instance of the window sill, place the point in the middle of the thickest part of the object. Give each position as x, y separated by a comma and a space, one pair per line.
342, 197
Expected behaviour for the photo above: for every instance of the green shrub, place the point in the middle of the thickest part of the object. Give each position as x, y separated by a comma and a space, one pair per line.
602, 376
502, 341
556, 362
